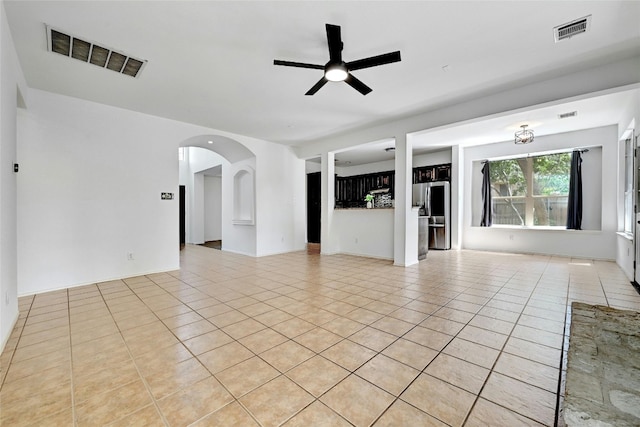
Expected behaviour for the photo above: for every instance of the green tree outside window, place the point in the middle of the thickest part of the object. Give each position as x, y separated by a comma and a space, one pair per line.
531, 191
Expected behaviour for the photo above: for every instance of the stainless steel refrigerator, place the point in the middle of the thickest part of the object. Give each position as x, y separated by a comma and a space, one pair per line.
434, 201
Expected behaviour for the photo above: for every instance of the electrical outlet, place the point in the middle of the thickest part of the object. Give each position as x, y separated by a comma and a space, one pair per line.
130, 256
356, 240
510, 236
6, 298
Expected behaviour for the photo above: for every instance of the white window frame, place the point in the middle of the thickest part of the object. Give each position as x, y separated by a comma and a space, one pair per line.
629, 202
529, 198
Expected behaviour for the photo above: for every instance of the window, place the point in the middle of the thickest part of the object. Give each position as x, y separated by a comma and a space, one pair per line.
531, 191
628, 187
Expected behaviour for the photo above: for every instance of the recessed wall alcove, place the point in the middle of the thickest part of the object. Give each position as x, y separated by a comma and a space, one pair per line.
244, 197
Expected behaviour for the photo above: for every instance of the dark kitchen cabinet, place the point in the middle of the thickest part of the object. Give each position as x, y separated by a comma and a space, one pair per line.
432, 173
350, 190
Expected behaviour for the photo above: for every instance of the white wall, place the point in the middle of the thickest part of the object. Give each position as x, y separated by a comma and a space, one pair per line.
433, 158
311, 167
212, 208
597, 240
12, 86
387, 165
628, 124
280, 201
196, 210
365, 232
201, 159
90, 183
90, 193
184, 170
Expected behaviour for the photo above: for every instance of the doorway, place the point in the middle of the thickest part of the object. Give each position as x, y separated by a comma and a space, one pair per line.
314, 206
183, 215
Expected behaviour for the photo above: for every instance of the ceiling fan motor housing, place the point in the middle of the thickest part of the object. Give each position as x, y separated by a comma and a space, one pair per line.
336, 72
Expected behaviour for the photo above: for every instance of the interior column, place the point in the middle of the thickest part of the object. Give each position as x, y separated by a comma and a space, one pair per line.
405, 226
327, 191
457, 178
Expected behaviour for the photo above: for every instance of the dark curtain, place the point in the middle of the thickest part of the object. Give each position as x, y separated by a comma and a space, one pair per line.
574, 211
486, 197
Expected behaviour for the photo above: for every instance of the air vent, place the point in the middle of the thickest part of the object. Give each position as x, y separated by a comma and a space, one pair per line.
573, 28
567, 115
89, 52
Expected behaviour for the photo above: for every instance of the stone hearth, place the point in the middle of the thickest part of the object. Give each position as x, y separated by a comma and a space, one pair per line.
603, 369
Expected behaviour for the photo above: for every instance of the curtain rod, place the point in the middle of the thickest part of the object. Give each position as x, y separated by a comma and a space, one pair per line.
581, 150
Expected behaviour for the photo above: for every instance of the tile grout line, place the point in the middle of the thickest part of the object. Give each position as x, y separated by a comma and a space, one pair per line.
422, 372
13, 352
492, 370
235, 400
186, 348
567, 313
305, 293
144, 381
315, 354
344, 338
73, 399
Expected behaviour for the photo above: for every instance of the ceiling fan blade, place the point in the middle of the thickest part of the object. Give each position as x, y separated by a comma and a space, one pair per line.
386, 58
334, 39
297, 64
357, 84
317, 86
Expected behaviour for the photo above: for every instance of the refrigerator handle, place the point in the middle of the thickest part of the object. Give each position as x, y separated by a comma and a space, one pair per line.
427, 202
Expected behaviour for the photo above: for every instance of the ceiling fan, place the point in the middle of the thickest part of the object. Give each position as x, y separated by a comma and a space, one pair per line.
336, 70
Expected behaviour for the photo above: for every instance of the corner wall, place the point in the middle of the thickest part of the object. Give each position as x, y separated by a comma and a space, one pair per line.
12, 85
89, 191
90, 183
280, 200
625, 248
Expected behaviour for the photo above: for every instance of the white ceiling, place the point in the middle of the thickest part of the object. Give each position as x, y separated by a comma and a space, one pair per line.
211, 62
591, 112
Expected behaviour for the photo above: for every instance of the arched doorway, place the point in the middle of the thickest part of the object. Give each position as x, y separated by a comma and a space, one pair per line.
213, 194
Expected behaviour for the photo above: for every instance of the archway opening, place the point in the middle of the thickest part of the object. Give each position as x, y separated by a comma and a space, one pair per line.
217, 174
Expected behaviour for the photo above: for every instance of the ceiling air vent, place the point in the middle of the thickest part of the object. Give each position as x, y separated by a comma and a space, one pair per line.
567, 115
85, 51
573, 28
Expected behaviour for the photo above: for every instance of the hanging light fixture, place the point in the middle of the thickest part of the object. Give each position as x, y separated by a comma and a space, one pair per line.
524, 136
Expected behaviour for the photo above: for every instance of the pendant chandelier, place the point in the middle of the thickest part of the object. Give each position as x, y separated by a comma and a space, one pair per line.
524, 136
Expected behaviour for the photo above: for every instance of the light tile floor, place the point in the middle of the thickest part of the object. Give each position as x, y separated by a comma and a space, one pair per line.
463, 338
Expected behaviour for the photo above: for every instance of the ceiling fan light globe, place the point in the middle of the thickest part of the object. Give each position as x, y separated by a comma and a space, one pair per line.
336, 73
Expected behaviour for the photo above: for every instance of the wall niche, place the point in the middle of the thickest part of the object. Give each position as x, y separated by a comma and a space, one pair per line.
244, 197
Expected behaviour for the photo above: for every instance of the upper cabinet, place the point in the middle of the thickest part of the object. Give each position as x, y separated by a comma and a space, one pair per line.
350, 190
432, 173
